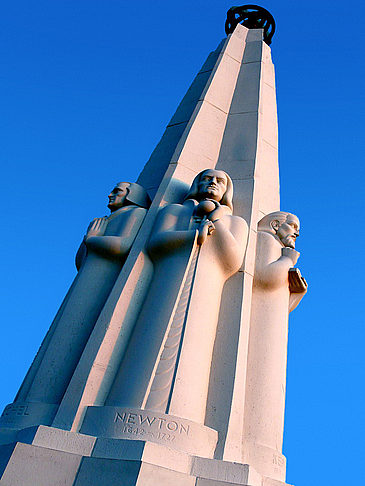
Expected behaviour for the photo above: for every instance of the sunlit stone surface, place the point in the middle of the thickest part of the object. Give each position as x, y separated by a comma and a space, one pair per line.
166, 363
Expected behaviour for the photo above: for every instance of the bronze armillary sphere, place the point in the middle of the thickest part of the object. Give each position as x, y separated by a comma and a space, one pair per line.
252, 17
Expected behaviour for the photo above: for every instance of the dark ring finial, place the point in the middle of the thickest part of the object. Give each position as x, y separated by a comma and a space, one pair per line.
252, 17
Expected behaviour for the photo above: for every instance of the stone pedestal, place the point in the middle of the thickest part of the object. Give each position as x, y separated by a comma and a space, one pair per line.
45, 456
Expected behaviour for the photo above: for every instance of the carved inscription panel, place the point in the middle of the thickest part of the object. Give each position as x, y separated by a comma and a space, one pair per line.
143, 425
27, 414
146, 425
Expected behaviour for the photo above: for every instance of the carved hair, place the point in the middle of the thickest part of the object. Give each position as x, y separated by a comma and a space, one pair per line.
280, 216
227, 196
136, 194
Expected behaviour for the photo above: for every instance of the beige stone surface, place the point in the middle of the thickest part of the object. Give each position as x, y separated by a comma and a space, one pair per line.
92, 287
57, 439
179, 378
151, 475
175, 248
196, 146
213, 482
21, 414
220, 471
235, 41
30, 466
107, 472
99, 259
158, 164
193, 95
148, 452
250, 95
266, 368
225, 74
239, 141
202, 136
249, 124
237, 168
253, 51
7, 436
273, 482
222, 375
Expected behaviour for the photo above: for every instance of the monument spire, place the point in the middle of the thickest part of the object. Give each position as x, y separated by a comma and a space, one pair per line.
170, 348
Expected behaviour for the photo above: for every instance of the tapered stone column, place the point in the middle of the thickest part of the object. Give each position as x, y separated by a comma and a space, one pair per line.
181, 379
195, 131
249, 152
197, 149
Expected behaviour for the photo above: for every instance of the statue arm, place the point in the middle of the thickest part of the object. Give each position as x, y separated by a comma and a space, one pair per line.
82, 251
117, 246
165, 238
270, 273
230, 236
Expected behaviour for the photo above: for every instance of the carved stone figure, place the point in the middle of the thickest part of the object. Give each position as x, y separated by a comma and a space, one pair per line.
195, 247
284, 227
99, 261
277, 290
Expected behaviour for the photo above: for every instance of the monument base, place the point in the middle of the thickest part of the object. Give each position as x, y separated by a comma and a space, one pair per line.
46, 456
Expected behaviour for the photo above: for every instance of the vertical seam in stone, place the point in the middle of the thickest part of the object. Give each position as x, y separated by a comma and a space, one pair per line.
159, 397
162, 348
189, 287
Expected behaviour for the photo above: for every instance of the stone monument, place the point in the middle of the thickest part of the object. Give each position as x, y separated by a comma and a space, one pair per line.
166, 362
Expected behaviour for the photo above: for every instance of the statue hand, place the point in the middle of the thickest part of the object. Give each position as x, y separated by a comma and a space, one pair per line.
297, 283
97, 227
206, 228
290, 253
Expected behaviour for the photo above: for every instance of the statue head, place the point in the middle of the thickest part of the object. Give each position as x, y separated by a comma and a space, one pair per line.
212, 184
127, 193
285, 226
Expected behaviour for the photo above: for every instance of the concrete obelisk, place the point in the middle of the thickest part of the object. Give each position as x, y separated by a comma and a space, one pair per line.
172, 371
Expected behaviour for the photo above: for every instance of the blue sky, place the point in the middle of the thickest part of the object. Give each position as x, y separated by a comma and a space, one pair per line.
87, 88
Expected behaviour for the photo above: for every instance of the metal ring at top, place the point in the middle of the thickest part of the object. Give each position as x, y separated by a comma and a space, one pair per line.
252, 17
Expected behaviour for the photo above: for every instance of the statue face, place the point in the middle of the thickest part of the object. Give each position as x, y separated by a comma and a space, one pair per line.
212, 185
117, 196
288, 231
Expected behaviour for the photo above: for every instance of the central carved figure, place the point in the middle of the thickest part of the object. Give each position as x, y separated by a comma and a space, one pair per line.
195, 247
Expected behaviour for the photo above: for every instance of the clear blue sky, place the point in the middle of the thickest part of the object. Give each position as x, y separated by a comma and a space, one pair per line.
86, 89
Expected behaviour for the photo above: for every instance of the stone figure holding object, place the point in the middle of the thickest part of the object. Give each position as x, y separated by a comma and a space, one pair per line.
195, 247
284, 229
99, 261
127, 199
278, 288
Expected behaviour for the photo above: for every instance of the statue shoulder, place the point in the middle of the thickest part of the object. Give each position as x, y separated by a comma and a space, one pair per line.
138, 210
267, 238
268, 248
128, 212
133, 209
236, 222
138, 214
